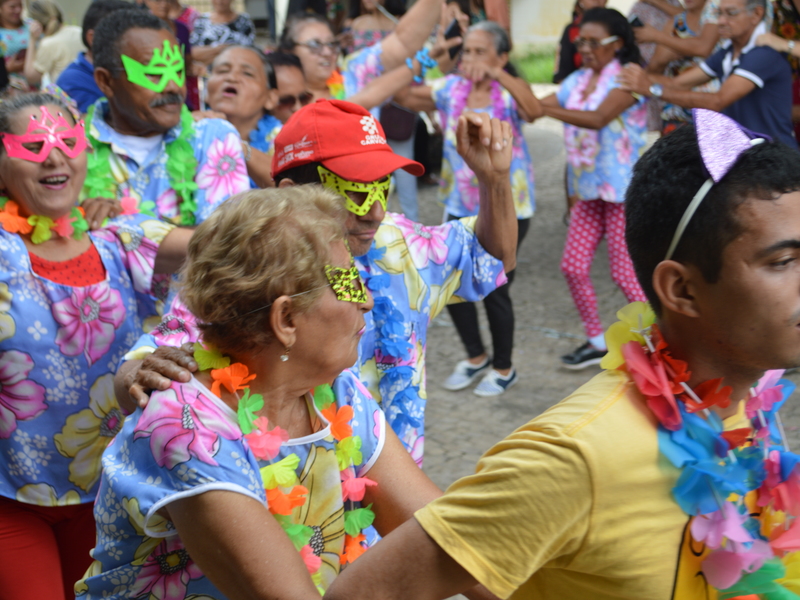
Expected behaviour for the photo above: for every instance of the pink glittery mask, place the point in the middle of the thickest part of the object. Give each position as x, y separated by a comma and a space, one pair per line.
36, 147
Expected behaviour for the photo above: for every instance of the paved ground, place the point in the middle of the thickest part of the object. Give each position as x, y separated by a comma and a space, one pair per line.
461, 426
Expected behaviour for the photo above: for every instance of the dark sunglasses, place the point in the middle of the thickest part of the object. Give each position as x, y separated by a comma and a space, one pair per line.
288, 101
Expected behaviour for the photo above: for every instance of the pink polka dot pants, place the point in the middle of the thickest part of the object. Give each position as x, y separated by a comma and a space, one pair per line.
589, 221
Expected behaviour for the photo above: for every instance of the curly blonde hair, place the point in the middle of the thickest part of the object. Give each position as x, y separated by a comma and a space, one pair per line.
256, 247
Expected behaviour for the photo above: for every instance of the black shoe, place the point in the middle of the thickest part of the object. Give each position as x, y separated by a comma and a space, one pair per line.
585, 356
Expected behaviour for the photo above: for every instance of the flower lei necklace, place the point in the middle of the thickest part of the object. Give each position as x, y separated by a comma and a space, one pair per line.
460, 95
42, 228
181, 167
741, 487
265, 444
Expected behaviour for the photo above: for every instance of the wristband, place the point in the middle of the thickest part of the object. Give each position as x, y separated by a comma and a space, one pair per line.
790, 46
248, 150
410, 65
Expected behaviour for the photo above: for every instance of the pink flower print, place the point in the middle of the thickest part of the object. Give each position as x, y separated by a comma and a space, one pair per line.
468, 189
607, 192
623, 147
501, 279
21, 399
582, 147
182, 423
167, 204
424, 243
637, 116
417, 448
178, 326
89, 319
223, 174
166, 573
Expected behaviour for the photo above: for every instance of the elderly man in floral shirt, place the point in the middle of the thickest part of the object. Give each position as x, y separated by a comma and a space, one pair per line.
148, 152
412, 271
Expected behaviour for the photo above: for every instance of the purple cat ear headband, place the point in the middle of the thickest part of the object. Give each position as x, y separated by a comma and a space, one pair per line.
722, 141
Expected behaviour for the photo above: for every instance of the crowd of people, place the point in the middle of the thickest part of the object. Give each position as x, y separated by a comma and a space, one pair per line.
213, 332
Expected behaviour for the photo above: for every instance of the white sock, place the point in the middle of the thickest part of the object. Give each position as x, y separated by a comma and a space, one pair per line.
599, 341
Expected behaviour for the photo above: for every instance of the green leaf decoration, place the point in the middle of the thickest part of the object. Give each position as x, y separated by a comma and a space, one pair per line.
762, 583
282, 473
348, 451
249, 405
323, 396
358, 519
41, 228
79, 224
299, 534
3, 201
210, 358
148, 208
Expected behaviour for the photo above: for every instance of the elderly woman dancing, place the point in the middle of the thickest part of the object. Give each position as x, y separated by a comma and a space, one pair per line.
71, 304
257, 478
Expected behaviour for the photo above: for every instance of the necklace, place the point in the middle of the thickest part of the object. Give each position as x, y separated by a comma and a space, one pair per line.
276, 477
740, 487
461, 92
181, 167
42, 228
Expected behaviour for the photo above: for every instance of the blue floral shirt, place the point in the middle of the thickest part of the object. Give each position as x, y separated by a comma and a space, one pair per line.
600, 163
361, 68
186, 442
458, 188
221, 171
59, 349
413, 271
262, 138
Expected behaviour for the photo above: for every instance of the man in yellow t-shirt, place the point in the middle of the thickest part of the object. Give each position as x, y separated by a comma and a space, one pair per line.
578, 504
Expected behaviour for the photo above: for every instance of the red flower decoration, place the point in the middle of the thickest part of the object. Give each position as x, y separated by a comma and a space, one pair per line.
737, 437
650, 377
710, 396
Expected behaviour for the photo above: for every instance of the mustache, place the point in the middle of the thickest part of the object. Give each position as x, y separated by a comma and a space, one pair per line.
170, 98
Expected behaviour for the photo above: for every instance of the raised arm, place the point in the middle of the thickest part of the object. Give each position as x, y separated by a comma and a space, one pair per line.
485, 144
527, 105
410, 33
665, 7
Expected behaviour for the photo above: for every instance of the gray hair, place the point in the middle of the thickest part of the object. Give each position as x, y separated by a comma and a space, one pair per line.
9, 108
751, 5
502, 43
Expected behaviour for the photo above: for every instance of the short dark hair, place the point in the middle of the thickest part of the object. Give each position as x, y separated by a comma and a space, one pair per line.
269, 72
97, 11
618, 25
110, 31
300, 174
664, 182
284, 59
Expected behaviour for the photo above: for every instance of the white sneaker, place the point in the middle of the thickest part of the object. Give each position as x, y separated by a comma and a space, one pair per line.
494, 384
464, 374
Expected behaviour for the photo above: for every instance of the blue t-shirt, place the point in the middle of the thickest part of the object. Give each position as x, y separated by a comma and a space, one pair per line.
768, 108
77, 80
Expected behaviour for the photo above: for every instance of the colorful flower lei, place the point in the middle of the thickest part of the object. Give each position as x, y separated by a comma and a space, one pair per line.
460, 95
741, 487
265, 444
335, 85
42, 228
181, 167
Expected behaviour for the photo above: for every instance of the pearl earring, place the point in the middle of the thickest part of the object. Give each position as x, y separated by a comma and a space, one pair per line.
285, 355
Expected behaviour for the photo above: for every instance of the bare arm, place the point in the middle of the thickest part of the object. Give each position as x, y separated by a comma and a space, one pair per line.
485, 145
663, 55
172, 250
665, 7
528, 106
778, 43
434, 574
613, 106
240, 546
259, 168
701, 46
410, 33
417, 98
734, 88
33, 76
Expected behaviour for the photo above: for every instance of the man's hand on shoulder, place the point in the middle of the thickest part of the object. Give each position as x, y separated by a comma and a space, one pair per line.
156, 372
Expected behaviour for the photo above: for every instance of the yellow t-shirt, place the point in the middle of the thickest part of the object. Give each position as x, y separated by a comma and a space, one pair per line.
575, 505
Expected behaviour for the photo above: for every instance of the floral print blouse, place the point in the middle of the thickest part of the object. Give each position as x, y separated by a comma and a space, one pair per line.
413, 271
221, 171
59, 349
600, 163
458, 187
239, 32
186, 442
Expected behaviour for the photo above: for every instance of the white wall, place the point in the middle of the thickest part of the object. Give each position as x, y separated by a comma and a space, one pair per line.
542, 21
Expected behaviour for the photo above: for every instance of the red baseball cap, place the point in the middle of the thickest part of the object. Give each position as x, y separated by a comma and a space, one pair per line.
344, 137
